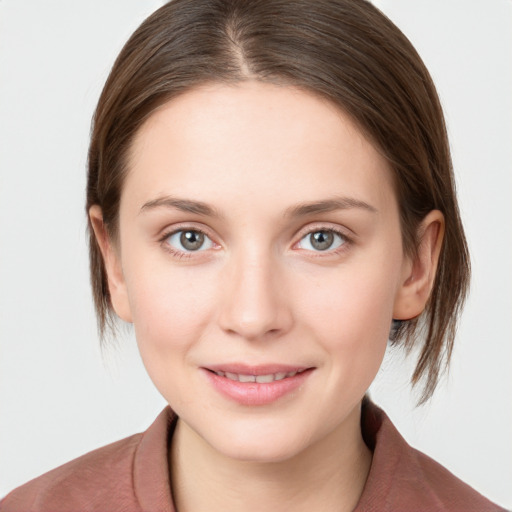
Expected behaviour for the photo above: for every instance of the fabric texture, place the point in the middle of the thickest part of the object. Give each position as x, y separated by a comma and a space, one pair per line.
132, 475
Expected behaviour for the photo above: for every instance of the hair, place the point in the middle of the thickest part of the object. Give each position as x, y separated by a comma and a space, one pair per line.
346, 51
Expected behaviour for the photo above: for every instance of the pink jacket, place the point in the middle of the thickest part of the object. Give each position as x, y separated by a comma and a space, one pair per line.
132, 475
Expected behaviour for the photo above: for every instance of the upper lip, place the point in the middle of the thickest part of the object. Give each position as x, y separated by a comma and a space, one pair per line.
263, 369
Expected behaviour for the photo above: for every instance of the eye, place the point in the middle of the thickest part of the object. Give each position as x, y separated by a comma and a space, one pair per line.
322, 240
189, 240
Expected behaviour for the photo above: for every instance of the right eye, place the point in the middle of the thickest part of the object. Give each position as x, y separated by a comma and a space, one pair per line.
189, 240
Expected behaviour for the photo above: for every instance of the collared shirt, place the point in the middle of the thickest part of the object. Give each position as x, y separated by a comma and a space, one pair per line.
132, 475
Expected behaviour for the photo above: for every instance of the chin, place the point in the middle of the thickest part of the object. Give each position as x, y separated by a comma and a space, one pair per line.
261, 451
258, 442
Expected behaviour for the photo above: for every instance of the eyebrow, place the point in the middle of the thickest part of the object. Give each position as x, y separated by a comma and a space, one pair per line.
328, 205
184, 205
300, 210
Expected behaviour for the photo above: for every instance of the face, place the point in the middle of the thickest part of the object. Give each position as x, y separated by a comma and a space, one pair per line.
260, 261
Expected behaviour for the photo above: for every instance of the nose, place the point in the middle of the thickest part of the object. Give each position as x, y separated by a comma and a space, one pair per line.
254, 304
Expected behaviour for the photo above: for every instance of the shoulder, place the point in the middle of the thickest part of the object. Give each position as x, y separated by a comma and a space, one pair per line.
440, 486
131, 475
403, 479
90, 482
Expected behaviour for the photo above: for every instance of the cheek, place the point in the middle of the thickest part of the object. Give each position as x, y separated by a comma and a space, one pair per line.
171, 311
348, 304
170, 306
351, 312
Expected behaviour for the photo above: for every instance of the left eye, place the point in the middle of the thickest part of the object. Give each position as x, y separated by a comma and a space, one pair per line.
322, 240
189, 240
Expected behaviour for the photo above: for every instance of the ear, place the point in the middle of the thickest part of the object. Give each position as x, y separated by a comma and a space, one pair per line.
419, 272
112, 261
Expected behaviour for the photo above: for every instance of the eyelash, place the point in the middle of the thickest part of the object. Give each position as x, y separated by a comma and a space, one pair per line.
174, 252
347, 241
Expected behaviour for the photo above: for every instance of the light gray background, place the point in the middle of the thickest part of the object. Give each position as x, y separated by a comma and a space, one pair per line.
59, 398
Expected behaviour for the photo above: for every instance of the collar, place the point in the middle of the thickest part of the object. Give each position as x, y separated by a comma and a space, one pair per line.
400, 477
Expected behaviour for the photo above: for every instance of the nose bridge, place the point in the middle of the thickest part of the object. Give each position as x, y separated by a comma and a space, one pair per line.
253, 304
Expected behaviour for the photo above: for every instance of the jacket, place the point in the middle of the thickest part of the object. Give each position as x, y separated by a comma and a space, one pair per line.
132, 475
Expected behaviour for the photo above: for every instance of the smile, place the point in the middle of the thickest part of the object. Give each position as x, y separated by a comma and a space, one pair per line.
270, 377
251, 386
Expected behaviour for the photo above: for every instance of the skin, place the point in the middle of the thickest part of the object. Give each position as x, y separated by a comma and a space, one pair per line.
259, 292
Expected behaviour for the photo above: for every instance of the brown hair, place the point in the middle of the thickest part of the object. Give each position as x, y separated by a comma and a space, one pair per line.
344, 50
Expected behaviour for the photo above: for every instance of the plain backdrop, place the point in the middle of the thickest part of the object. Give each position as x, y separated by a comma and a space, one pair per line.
60, 397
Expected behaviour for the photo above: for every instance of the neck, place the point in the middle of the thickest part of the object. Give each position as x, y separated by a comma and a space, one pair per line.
329, 475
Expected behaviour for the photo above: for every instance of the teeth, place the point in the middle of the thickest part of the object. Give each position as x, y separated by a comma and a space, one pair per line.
262, 379
247, 378
265, 378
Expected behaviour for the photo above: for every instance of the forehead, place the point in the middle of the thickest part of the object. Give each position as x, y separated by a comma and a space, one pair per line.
254, 140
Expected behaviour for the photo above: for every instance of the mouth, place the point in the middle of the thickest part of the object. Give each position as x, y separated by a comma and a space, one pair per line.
257, 385
260, 378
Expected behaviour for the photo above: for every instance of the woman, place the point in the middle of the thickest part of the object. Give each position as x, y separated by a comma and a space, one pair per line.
270, 197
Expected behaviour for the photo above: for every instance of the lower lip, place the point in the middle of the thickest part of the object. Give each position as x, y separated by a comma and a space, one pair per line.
255, 393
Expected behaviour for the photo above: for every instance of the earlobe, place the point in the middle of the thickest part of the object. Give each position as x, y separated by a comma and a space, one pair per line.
419, 272
113, 268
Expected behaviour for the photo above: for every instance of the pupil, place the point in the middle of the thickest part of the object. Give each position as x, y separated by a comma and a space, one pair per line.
321, 240
192, 240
